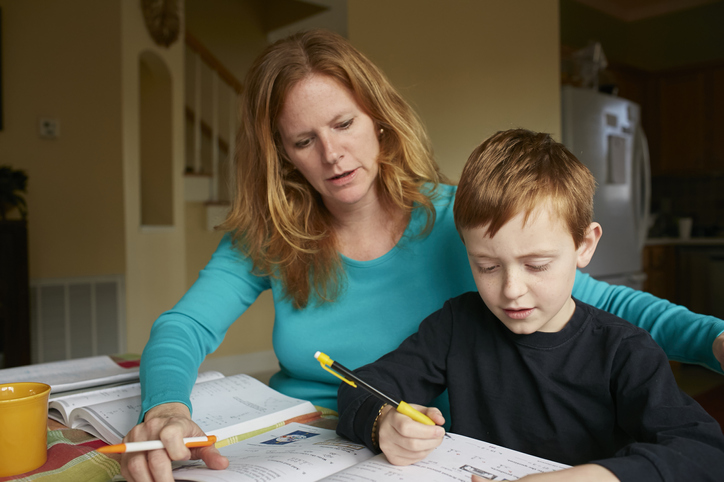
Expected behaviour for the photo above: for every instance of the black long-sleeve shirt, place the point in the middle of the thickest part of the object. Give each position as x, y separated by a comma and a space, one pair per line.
600, 390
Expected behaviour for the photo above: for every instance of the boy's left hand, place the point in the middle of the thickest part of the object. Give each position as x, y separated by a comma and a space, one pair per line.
718, 349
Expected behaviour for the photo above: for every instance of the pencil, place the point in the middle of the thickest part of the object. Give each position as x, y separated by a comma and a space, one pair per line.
190, 442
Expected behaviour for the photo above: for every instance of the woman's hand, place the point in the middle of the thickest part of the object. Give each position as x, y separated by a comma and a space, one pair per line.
718, 349
405, 441
579, 473
170, 423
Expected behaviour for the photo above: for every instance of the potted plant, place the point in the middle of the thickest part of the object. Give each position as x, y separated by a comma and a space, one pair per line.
13, 185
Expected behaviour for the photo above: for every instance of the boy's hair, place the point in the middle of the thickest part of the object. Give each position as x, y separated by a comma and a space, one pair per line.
517, 170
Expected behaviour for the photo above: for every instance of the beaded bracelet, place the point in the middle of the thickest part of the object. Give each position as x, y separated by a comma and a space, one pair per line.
375, 442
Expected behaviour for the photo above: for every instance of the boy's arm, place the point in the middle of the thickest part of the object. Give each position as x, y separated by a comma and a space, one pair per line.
675, 439
685, 336
414, 372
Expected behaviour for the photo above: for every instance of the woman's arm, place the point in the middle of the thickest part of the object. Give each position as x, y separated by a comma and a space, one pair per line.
685, 336
182, 337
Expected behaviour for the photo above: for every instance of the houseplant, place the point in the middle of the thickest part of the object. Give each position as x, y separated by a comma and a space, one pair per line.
13, 185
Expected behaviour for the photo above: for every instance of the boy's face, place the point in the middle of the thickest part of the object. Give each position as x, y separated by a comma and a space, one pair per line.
525, 273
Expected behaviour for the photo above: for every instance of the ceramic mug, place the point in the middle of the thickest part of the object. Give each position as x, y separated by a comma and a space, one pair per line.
685, 225
23, 427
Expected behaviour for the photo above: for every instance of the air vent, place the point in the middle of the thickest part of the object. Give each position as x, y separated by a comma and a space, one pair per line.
77, 317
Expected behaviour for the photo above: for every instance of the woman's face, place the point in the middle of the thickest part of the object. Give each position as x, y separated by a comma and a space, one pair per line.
331, 141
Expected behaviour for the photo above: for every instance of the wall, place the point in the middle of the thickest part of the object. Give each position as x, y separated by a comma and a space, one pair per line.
155, 256
75, 194
469, 68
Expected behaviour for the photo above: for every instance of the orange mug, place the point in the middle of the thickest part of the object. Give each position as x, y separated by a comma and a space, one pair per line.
23, 427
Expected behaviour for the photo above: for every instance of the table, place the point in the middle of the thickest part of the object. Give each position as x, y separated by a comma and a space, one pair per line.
72, 456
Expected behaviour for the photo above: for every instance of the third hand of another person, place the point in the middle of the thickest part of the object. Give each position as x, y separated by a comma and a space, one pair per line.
170, 423
579, 473
405, 441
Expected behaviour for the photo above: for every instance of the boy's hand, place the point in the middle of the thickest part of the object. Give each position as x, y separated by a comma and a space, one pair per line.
718, 349
579, 473
405, 441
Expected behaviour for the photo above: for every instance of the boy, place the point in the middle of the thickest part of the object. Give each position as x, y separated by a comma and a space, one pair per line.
526, 365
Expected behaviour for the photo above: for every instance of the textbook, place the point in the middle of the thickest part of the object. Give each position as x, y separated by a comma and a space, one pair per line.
302, 453
66, 375
222, 406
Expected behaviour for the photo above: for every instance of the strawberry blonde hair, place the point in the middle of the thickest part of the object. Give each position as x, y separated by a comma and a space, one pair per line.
276, 217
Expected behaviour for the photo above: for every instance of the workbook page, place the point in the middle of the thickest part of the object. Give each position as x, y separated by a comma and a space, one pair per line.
71, 374
61, 405
456, 459
223, 407
295, 453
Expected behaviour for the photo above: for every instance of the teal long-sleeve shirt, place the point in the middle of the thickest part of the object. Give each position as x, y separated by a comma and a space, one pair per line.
383, 301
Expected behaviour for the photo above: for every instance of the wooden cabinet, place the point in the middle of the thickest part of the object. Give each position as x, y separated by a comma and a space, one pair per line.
715, 121
14, 294
691, 119
682, 116
660, 267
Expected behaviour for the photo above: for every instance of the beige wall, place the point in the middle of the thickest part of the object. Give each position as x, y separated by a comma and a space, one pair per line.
155, 257
51, 69
470, 68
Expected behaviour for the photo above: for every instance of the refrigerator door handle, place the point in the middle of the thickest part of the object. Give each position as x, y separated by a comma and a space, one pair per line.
641, 185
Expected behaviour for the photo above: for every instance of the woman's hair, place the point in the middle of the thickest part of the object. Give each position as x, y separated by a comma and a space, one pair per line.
517, 170
277, 217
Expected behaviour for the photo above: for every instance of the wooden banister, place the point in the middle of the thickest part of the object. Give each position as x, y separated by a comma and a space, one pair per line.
194, 44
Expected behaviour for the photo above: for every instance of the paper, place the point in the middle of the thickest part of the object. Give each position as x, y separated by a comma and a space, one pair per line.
66, 375
295, 452
302, 453
456, 459
223, 406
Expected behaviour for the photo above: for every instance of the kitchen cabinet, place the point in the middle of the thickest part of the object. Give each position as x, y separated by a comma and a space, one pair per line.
682, 115
659, 264
687, 272
690, 120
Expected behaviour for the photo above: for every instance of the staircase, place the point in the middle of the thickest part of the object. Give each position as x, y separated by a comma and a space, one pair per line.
211, 121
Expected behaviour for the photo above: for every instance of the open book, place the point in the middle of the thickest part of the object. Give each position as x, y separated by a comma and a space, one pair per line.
223, 406
66, 375
302, 453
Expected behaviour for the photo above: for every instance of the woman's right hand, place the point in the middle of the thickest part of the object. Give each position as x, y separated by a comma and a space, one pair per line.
170, 423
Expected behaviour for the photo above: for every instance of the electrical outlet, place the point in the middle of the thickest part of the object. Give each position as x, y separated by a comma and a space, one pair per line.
49, 128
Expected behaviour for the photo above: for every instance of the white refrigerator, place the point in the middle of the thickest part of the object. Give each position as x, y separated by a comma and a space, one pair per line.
604, 132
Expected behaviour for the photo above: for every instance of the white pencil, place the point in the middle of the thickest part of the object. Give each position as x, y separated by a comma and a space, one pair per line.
155, 445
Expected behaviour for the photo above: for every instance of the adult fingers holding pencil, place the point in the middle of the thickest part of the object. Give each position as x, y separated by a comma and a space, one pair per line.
169, 423
406, 441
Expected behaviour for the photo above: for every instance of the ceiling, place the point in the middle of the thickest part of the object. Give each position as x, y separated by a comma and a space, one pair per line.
631, 10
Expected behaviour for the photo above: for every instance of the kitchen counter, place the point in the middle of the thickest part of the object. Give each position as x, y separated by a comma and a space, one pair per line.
685, 242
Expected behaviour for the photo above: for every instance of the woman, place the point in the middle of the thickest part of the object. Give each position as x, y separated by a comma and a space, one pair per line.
342, 212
